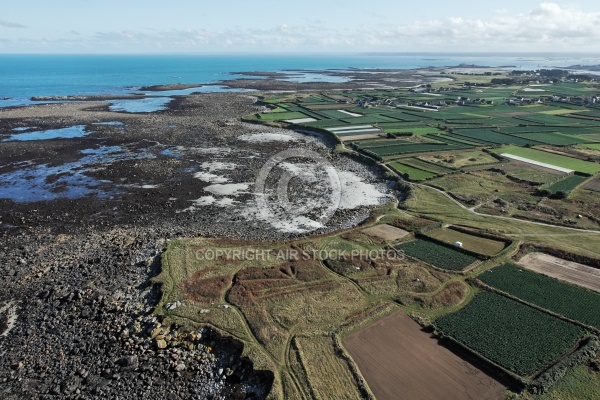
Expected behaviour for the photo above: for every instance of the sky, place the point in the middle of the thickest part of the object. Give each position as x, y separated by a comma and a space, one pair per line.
307, 26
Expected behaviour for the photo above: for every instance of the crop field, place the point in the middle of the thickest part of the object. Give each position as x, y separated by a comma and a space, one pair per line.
334, 114
549, 293
403, 116
280, 116
551, 158
491, 136
553, 120
413, 173
368, 144
569, 271
518, 337
565, 185
417, 162
401, 362
438, 255
412, 148
455, 139
526, 129
582, 130
477, 244
368, 119
554, 138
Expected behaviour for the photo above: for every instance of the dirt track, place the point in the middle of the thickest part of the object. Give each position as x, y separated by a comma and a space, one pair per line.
399, 361
572, 272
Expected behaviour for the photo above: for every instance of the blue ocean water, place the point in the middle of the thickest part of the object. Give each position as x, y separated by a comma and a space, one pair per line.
24, 76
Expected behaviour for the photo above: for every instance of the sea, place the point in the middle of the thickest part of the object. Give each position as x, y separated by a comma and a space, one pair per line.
24, 76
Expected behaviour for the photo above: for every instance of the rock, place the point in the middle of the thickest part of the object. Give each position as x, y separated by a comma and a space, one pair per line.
161, 343
155, 332
130, 362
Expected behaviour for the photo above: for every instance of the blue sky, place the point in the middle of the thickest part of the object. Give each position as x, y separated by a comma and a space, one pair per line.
214, 26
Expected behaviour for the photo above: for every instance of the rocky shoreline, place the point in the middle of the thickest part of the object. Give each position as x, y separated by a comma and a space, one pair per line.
77, 271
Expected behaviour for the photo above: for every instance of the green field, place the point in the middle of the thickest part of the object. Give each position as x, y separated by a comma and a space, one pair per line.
373, 143
491, 136
438, 255
280, 116
518, 337
593, 146
559, 139
413, 173
562, 298
412, 148
477, 244
551, 158
565, 185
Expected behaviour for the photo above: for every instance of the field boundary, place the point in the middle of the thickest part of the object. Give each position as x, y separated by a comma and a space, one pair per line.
482, 285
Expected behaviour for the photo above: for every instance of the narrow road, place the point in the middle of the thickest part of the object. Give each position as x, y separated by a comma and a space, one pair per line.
472, 211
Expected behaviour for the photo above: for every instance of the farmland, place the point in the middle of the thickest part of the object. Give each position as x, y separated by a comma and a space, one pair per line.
564, 185
332, 328
444, 257
411, 172
551, 158
397, 359
519, 338
569, 271
549, 293
469, 241
386, 232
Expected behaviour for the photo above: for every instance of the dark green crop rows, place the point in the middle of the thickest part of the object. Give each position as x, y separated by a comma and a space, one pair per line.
566, 185
571, 301
490, 136
437, 255
518, 337
414, 148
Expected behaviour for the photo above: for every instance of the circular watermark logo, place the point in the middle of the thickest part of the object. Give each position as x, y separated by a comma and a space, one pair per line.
297, 190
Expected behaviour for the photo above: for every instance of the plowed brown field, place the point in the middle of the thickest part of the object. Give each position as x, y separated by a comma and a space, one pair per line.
401, 362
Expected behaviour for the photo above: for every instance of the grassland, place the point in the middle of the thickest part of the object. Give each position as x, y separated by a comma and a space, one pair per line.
580, 383
460, 159
317, 358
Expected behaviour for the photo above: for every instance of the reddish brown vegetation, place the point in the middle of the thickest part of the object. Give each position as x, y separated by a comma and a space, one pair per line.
290, 279
205, 289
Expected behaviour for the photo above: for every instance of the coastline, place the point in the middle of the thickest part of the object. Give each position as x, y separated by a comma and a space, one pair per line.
88, 258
